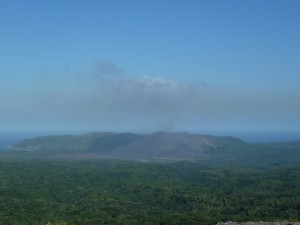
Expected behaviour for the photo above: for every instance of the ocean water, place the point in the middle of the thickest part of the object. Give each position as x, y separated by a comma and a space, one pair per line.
12, 137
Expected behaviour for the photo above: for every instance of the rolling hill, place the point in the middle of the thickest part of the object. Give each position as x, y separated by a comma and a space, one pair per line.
158, 146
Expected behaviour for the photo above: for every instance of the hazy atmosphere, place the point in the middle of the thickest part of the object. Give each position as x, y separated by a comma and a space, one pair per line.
154, 112
149, 65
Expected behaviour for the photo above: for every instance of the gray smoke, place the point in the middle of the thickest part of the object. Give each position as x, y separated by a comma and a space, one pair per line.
104, 98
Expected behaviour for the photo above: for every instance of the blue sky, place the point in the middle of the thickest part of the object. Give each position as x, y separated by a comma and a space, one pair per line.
149, 65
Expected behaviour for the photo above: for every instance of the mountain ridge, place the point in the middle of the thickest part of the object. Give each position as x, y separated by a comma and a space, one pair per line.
129, 145
158, 146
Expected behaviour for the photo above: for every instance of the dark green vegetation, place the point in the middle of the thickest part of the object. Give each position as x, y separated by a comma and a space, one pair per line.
70, 179
124, 192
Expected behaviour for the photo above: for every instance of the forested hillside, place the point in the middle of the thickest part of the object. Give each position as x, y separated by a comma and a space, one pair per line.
158, 146
124, 192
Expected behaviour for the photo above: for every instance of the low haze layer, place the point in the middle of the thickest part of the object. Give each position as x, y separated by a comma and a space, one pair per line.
147, 66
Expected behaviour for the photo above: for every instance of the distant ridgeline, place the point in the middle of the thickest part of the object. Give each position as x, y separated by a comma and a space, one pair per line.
157, 146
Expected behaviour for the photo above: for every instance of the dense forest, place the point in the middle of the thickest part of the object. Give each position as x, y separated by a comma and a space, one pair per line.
126, 192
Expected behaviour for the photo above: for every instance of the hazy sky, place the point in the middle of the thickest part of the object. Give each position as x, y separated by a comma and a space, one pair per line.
145, 65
